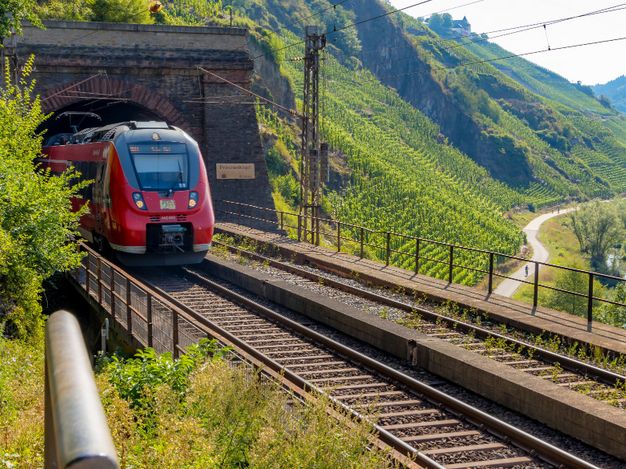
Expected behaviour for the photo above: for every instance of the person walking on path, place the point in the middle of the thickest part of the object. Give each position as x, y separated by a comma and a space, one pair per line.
526, 269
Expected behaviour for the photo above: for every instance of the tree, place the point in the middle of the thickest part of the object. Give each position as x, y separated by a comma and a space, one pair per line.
440, 23
37, 226
570, 281
74, 10
597, 228
13, 12
122, 11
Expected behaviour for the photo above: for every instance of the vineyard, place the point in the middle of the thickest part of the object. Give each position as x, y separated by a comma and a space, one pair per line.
401, 177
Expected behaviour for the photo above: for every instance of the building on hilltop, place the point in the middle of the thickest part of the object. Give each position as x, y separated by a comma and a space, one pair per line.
461, 27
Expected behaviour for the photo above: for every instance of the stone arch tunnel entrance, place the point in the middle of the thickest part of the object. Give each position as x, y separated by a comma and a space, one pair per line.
127, 72
94, 113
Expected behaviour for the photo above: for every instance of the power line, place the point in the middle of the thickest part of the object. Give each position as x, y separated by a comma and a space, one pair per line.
331, 7
251, 93
351, 25
512, 56
301, 21
539, 51
457, 7
73, 86
529, 27
382, 15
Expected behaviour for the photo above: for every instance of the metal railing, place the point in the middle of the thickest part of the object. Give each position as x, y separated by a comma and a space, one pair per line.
137, 309
450, 261
76, 430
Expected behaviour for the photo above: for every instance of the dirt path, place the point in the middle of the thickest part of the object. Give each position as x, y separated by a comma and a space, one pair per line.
540, 254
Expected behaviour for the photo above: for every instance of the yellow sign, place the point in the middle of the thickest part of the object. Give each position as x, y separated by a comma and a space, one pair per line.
235, 170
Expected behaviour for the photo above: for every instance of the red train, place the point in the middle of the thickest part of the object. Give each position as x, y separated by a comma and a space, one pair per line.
149, 200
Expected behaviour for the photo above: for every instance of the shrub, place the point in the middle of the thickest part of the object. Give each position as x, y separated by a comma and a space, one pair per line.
37, 225
121, 11
224, 416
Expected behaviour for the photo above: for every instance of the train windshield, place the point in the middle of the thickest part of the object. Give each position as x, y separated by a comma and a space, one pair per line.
161, 167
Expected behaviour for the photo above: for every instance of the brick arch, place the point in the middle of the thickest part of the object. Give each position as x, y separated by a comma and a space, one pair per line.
102, 87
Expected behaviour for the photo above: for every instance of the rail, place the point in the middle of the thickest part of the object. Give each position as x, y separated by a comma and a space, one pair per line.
76, 430
418, 251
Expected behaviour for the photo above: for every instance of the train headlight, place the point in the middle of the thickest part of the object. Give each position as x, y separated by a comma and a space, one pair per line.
193, 199
139, 202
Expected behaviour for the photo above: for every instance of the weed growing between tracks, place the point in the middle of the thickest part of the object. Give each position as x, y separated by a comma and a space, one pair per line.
205, 412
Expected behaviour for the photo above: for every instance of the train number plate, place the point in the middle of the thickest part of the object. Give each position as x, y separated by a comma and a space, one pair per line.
168, 204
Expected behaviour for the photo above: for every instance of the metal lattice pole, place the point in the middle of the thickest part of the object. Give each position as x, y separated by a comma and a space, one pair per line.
310, 171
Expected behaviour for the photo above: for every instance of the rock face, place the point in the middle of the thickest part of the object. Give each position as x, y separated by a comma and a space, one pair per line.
129, 72
397, 64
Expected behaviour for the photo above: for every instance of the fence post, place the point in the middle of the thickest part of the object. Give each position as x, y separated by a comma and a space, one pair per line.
536, 288
149, 318
129, 312
282, 222
490, 272
362, 240
99, 278
299, 227
317, 227
174, 333
338, 236
112, 289
590, 303
451, 263
388, 247
417, 255
87, 274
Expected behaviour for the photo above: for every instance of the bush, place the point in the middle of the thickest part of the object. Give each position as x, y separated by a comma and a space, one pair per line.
222, 416
121, 11
37, 225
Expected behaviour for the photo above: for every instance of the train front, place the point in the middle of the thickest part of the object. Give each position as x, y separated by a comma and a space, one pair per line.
160, 205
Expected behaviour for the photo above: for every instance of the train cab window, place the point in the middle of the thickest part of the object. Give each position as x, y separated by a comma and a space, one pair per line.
161, 168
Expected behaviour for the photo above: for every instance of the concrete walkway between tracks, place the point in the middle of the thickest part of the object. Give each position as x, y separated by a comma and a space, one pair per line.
540, 254
499, 308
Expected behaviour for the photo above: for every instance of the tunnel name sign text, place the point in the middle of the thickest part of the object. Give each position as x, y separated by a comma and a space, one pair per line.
235, 170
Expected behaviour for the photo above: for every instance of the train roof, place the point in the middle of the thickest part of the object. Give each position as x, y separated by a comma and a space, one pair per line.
108, 132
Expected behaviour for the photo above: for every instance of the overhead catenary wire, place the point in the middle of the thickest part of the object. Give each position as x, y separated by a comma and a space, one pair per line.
512, 56
291, 112
350, 25
529, 27
331, 7
376, 17
64, 90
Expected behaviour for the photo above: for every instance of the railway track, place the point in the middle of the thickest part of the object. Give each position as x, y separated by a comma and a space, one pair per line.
415, 419
596, 382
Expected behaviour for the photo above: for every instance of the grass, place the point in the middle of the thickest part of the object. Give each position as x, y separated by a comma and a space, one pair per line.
226, 416
21, 404
187, 413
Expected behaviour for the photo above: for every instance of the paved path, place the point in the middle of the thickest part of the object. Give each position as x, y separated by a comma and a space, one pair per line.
540, 254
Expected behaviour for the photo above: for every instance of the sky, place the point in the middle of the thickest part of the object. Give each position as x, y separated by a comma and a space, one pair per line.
590, 65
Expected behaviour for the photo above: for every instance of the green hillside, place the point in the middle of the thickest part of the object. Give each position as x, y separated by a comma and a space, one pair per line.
615, 91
